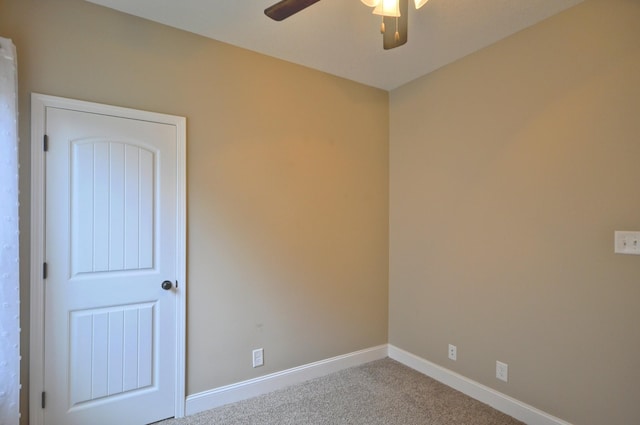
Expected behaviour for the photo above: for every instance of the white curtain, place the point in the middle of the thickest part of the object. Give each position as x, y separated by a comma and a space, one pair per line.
9, 259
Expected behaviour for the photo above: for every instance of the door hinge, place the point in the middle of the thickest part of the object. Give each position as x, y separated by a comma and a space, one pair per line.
44, 270
43, 399
45, 144
176, 284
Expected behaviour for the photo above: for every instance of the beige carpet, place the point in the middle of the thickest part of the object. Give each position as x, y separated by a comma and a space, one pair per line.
383, 392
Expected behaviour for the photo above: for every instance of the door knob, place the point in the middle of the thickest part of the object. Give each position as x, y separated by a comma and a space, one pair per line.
166, 285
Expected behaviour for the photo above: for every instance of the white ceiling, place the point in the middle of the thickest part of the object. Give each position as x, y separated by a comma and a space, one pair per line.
342, 37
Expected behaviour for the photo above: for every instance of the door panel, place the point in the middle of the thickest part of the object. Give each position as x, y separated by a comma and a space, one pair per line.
112, 349
111, 220
114, 229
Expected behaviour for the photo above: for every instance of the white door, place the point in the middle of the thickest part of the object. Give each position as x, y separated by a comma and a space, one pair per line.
111, 234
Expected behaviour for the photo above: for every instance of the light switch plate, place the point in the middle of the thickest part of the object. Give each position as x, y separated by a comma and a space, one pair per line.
627, 242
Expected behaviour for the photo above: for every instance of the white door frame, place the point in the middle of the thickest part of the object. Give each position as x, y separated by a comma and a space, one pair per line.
39, 103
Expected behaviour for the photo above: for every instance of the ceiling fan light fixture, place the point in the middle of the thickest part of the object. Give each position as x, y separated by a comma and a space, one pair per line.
393, 12
387, 8
419, 3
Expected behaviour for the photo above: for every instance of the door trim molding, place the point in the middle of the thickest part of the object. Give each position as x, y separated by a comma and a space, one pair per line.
39, 104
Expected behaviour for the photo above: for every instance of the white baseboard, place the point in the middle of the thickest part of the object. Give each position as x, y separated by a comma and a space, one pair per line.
512, 407
254, 387
243, 390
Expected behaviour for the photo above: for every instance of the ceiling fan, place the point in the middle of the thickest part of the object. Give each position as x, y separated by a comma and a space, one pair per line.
394, 26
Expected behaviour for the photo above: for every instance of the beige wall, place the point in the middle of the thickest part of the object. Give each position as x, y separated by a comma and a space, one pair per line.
509, 172
287, 181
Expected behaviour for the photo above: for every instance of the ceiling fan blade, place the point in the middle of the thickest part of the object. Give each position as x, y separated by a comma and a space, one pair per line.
285, 8
393, 25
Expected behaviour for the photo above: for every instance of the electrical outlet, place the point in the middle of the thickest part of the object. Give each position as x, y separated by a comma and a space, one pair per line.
258, 357
502, 371
453, 352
